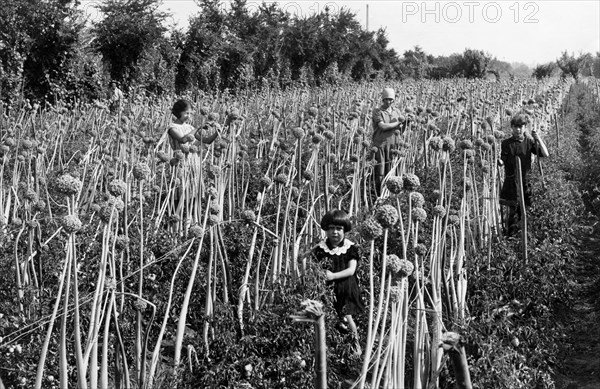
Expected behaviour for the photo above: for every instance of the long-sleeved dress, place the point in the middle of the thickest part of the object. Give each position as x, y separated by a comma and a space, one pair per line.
512, 148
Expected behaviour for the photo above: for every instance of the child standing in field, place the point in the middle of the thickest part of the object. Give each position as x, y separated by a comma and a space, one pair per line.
341, 257
115, 95
181, 131
521, 145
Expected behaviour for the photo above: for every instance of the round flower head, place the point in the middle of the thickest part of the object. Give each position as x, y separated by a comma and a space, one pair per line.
370, 229
453, 220
328, 134
68, 185
248, 216
140, 305
439, 211
281, 178
71, 223
121, 242
393, 263
435, 143
117, 187
448, 144
386, 215
405, 268
116, 203
417, 199
141, 171
196, 231
419, 214
265, 182
394, 184
420, 249
354, 158
214, 208
298, 132
212, 220
336, 217
317, 138
411, 182
211, 192
465, 144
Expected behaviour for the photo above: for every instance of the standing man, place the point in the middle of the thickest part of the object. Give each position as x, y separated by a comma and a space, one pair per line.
386, 130
521, 145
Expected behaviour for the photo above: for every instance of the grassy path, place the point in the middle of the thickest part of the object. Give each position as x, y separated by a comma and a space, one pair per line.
581, 347
581, 369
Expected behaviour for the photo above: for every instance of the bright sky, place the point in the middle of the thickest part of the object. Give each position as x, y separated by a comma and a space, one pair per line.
531, 32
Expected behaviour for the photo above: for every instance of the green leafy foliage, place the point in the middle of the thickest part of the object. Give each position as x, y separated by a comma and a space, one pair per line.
128, 31
39, 50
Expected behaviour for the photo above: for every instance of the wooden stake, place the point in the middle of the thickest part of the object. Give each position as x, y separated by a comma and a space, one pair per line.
521, 201
557, 134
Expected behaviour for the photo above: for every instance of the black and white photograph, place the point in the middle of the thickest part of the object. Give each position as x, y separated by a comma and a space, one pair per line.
248, 194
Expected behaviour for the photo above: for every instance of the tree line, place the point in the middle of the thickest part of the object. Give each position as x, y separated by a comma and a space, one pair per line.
50, 51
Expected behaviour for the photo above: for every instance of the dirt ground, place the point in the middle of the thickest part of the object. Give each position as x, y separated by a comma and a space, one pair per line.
581, 349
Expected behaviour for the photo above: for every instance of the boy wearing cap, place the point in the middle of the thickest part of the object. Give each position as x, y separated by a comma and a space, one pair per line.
519, 145
386, 130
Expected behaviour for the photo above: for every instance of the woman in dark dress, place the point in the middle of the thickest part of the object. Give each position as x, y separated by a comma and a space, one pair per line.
341, 257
